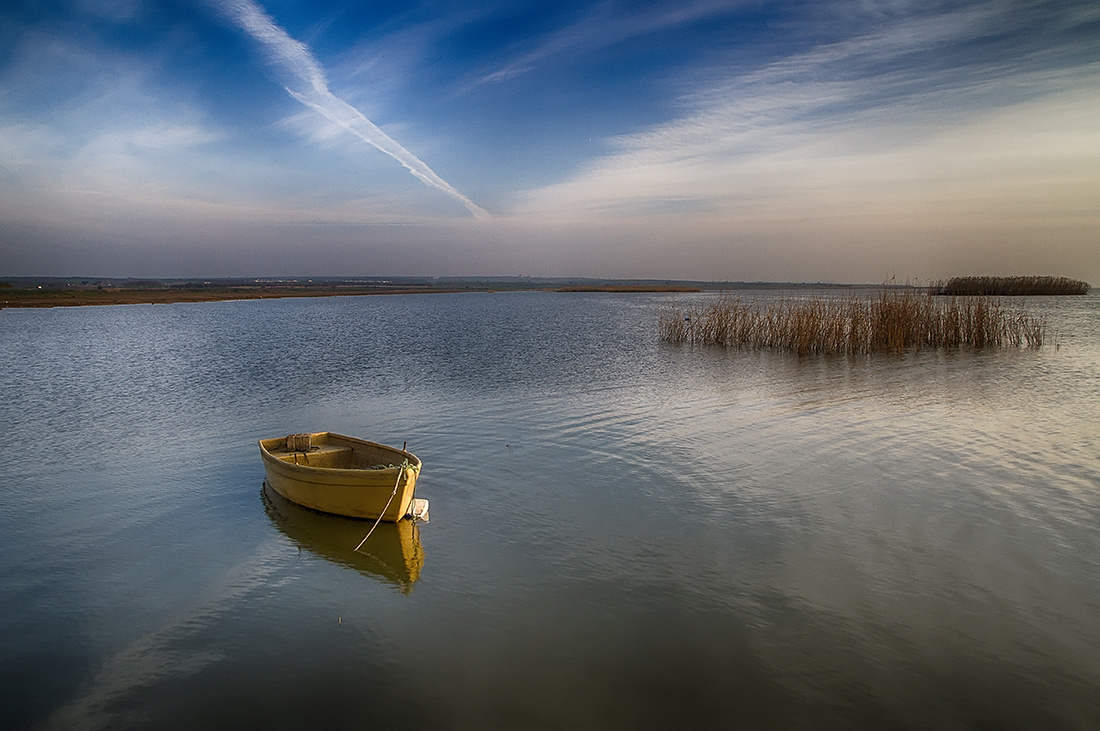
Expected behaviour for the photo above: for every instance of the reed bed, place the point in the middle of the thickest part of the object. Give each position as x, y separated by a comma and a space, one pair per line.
1013, 286
894, 320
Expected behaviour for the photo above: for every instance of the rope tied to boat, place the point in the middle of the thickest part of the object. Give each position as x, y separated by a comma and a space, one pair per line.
400, 473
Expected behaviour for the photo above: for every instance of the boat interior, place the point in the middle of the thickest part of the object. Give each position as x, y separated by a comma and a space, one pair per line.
325, 450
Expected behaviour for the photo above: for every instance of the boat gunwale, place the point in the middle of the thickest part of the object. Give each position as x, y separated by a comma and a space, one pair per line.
414, 461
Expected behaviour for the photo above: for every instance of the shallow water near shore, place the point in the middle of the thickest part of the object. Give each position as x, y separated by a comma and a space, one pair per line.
624, 533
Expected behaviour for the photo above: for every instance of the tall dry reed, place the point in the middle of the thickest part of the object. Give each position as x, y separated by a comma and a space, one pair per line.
894, 320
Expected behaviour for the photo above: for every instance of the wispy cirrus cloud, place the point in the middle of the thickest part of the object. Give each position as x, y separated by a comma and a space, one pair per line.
312, 90
875, 125
604, 25
107, 131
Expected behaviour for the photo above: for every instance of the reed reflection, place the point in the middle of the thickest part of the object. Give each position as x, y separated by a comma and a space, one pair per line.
392, 553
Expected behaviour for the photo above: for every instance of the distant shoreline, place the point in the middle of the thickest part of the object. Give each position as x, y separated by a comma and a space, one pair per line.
168, 295
25, 298
45, 298
44, 292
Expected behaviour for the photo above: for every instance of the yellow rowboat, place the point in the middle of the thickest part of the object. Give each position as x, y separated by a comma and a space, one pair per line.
344, 475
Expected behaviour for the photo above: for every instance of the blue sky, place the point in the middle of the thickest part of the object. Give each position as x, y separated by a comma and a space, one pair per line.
837, 140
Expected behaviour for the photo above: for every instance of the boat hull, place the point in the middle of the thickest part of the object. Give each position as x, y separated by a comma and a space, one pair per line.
336, 476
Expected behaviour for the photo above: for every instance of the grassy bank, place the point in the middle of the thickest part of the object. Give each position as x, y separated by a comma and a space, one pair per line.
72, 291
167, 295
891, 321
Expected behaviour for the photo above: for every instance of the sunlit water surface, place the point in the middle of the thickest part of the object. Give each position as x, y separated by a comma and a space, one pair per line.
624, 533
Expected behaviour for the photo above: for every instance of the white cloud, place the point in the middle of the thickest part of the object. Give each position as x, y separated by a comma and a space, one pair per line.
604, 25
848, 129
850, 162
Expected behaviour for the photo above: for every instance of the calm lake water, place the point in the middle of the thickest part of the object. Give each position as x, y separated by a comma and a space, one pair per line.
624, 533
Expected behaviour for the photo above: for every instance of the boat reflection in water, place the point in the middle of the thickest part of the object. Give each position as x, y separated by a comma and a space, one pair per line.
392, 553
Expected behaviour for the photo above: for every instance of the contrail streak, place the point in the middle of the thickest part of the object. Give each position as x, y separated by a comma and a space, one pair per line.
294, 57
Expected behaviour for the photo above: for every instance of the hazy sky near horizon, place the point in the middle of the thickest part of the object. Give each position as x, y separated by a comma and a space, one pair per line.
811, 140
